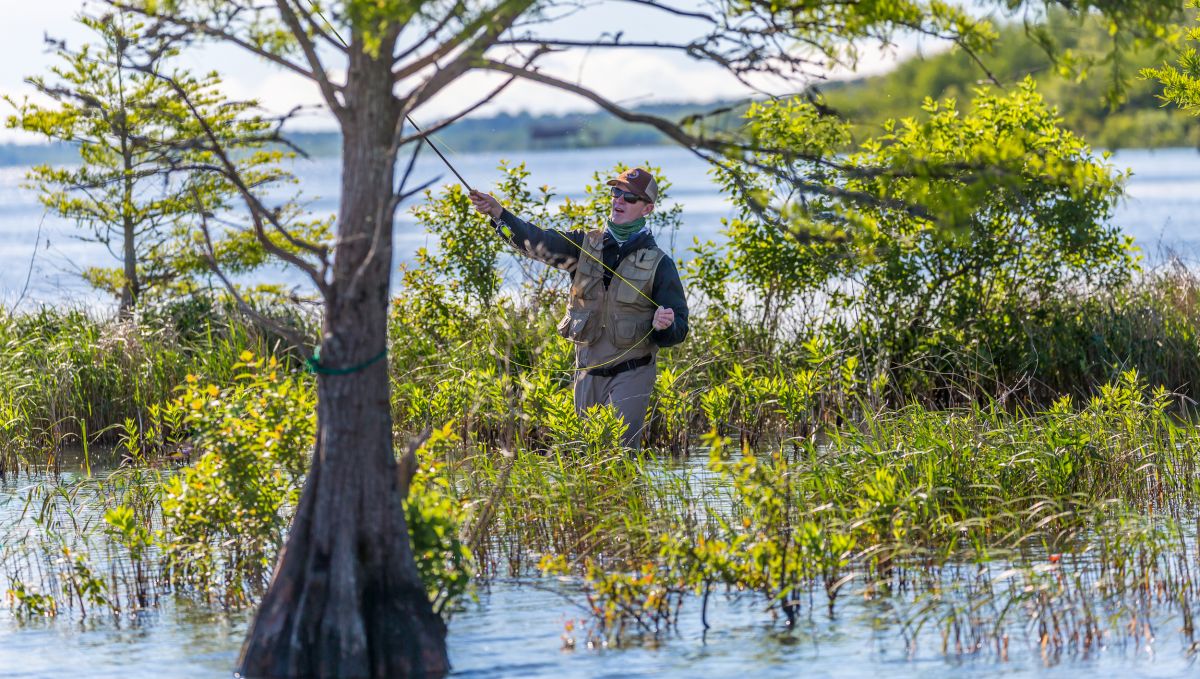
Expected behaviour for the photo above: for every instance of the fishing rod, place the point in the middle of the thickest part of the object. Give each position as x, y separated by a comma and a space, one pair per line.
439, 153
467, 186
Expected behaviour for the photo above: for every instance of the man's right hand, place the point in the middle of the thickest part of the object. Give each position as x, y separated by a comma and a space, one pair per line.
486, 204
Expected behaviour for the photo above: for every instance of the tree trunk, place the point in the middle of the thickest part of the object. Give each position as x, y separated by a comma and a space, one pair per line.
130, 288
346, 599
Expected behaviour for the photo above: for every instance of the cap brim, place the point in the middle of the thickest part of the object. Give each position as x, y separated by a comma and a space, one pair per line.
630, 188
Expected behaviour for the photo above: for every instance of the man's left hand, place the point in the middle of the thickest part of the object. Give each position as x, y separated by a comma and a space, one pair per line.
663, 318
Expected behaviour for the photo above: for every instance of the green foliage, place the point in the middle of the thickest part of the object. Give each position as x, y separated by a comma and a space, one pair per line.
225, 516
1079, 74
913, 491
131, 533
1180, 81
435, 516
66, 373
134, 190
836, 32
467, 247
82, 581
768, 545
672, 412
574, 501
939, 237
622, 603
26, 602
921, 477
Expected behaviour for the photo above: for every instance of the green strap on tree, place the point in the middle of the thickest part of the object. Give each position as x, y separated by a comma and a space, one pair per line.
313, 364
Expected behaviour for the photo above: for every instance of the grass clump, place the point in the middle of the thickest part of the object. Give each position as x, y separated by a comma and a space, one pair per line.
978, 522
71, 378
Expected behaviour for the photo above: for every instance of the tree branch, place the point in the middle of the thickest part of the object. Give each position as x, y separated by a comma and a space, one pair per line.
446, 122
409, 70
328, 89
431, 33
677, 12
257, 210
210, 255
494, 23
215, 32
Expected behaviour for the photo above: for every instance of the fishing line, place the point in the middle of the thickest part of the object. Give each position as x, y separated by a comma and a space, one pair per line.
446, 161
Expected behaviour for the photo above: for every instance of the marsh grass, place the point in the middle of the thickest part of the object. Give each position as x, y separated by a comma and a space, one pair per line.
73, 378
791, 479
1063, 530
61, 556
1065, 527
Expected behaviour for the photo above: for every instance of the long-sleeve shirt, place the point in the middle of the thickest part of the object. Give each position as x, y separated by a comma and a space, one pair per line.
562, 249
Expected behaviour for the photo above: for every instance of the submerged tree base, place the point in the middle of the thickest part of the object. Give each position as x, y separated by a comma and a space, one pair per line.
346, 599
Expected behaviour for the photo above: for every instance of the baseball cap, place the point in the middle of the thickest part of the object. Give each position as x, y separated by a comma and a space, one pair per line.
637, 180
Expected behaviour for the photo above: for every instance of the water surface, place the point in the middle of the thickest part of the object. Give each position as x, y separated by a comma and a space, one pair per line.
1161, 210
516, 627
536, 627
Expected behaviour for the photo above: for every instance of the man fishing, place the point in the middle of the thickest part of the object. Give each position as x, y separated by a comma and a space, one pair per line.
626, 300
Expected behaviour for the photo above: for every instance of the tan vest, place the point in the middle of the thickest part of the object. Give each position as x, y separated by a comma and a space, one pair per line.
611, 325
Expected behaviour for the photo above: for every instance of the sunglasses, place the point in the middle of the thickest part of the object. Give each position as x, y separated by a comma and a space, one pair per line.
626, 196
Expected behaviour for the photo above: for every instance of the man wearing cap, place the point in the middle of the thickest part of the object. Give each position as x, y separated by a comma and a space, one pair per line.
626, 300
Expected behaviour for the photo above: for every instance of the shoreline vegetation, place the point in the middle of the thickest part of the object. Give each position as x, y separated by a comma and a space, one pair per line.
1030, 501
926, 374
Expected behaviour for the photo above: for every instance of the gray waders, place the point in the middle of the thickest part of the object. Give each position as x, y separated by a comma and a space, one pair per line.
629, 392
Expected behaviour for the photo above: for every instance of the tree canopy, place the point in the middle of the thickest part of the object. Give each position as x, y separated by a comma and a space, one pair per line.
140, 189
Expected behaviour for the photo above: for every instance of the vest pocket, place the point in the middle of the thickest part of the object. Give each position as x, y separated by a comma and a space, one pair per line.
578, 325
629, 331
628, 294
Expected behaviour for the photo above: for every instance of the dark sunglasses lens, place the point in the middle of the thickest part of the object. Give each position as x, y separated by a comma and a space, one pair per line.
627, 196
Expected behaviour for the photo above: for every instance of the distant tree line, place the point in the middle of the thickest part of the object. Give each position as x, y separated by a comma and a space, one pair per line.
1115, 110
522, 131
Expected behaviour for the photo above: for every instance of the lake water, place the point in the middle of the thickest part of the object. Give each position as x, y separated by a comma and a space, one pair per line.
1161, 211
515, 627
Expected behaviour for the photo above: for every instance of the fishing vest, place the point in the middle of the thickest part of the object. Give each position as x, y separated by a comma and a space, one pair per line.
614, 323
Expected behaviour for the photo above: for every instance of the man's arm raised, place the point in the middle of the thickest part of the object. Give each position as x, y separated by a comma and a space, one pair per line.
557, 248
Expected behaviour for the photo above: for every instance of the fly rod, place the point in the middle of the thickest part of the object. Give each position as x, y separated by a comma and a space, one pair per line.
439, 153
406, 116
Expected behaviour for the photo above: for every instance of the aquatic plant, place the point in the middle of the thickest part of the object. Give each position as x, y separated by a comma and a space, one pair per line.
225, 516
435, 519
67, 375
1078, 505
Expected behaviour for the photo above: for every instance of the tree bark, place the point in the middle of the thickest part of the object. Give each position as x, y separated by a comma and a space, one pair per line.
131, 287
346, 599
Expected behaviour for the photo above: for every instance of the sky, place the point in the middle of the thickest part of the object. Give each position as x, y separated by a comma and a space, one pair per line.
629, 76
